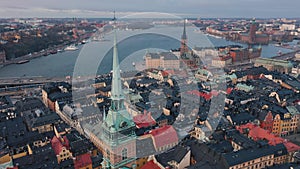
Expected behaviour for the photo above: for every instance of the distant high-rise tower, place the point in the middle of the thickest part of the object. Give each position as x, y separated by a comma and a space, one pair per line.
118, 129
183, 48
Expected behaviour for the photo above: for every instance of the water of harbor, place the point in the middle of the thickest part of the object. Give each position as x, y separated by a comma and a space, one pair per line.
135, 45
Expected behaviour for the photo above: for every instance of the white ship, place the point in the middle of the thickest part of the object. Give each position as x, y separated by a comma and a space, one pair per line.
71, 48
97, 38
84, 41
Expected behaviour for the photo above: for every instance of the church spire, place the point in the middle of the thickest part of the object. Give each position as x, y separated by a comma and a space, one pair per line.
118, 129
184, 48
117, 94
114, 19
184, 32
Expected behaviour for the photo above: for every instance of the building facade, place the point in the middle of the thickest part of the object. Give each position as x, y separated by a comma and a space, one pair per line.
252, 37
163, 60
274, 65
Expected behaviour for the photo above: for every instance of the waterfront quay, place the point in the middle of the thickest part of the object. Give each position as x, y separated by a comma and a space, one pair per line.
17, 81
18, 86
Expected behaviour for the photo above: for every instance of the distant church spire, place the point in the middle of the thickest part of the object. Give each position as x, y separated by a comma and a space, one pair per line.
184, 31
183, 48
114, 19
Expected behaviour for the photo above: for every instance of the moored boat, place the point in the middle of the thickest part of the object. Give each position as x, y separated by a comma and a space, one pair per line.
22, 61
53, 51
71, 48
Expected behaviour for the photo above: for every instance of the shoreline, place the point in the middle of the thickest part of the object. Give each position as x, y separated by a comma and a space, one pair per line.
44, 52
29, 57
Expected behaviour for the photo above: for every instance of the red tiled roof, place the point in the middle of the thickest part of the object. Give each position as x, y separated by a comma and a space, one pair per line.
12, 167
214, 93
58, 144
291, 147
206, 96
82, 161
229, 90
164, 73
262, 76
257, 133
150, 165
144, 120
170, 72
164, 136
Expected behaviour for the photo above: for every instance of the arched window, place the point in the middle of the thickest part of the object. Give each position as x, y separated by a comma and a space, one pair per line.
124, 154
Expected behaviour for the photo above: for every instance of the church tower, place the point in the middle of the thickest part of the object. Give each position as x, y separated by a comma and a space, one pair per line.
183, 48
118, 129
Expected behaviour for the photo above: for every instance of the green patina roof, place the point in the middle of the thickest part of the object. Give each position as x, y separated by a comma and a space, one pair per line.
293, 110
232, 76
274, 62
203, 72
244, 87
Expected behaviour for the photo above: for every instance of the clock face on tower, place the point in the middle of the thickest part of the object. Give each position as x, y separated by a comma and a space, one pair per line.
123, 124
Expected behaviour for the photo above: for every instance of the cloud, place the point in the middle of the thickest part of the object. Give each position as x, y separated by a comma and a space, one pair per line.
199, 8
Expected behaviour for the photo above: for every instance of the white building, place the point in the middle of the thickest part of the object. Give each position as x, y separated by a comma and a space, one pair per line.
287, 27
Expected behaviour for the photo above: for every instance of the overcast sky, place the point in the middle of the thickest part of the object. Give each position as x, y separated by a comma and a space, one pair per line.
192, 8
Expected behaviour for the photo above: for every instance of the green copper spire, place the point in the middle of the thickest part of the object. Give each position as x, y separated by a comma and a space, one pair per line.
117, 118
117, 129
116, 88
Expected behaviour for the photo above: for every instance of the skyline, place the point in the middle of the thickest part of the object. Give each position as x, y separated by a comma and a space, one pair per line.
187, 8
